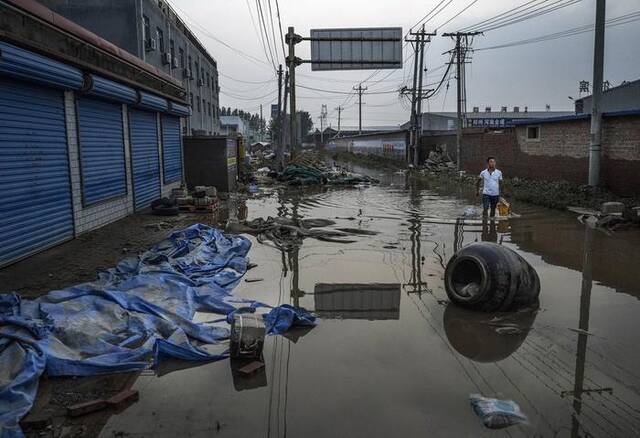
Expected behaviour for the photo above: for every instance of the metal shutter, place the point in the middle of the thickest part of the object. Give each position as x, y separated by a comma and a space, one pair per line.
36, 207
145, 161
171, 149
101, 150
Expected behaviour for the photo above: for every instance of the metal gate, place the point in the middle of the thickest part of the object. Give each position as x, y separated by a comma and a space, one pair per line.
145, 160
36, 208
101, 150
171, 149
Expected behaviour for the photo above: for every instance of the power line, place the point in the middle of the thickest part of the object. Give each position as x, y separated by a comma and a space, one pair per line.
612, 22
264, 34
280, 26
268, 81
457, 15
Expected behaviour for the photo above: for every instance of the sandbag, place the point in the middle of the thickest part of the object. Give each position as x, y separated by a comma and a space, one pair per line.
491, 278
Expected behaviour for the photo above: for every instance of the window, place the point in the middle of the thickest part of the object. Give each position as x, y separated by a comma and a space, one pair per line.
172, 49
197, 70
199, 110
146, 29
202, 74
533, 133
181, 57
160, 39
191, 100
207, 79
209, 107
190, 73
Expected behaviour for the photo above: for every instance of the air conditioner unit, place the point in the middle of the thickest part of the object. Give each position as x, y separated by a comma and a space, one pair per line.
190, 74
503, 109
200, 82
185, 73
476, 109
166, 58
174, 62
516, 109
487, 109
150, 45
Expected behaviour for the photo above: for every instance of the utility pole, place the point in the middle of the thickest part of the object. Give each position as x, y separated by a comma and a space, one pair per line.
278, 137
339, 109
360, 89
596, 112
323, 116
283, 118
460, 53
292, 39
416, 149
421, 37
260, 125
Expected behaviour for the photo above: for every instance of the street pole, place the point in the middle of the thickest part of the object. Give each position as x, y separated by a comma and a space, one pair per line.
596, 112
279, 140
260, 125
413, 99
416, 149
339, 109
460, 51
360, 89
283, 118
292, 39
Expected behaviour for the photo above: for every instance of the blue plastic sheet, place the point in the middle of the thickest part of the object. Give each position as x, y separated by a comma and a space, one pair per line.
133, 316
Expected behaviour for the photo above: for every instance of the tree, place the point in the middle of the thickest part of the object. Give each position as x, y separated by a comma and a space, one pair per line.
306, 123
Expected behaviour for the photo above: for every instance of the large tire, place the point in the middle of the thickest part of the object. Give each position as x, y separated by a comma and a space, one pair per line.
491, 278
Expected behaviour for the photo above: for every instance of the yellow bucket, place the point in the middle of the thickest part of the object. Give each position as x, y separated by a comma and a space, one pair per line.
504, 208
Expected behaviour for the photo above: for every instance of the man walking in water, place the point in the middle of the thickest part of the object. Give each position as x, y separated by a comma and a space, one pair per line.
490, 178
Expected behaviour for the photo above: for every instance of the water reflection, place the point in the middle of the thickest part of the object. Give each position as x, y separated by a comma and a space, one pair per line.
372, 301
484, 337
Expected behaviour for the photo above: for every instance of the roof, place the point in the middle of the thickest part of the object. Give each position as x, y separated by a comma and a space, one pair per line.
614, 89
505, 114
635, 112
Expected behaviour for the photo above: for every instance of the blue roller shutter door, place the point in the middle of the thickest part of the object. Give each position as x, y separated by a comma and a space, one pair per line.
145, 160
171, 149
36, 208
101, 150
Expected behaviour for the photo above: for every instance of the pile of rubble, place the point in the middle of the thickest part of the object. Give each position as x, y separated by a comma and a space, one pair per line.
201, 198
612, 216
438, 161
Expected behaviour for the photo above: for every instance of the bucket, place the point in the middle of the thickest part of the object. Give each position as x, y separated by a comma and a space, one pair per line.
504, 208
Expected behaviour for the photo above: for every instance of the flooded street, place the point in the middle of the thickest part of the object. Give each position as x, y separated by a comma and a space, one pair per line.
390, 356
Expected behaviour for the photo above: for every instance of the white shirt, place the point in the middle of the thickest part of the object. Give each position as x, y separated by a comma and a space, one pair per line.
491, 182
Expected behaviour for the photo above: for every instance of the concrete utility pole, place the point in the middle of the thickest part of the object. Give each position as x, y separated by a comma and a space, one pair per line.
422, 37
323, 116
279, 140
292, 39
283, 118
339, 109
460, 51
596, 112
260, 125
360, 89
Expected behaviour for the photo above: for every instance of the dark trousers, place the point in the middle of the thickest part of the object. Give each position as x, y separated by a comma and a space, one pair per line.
489, 201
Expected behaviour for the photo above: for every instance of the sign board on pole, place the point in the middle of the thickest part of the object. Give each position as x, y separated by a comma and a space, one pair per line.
274, 110
356, 48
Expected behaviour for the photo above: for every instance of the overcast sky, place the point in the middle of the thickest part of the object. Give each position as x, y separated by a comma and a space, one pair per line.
527, 75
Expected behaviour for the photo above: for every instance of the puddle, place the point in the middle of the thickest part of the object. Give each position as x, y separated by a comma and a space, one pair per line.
390, 355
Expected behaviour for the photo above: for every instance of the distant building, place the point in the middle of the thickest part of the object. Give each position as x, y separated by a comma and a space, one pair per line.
448, 121
152, 31
625, 97
238, 125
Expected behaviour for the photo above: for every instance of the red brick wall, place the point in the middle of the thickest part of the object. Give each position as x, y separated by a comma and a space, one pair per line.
560, 154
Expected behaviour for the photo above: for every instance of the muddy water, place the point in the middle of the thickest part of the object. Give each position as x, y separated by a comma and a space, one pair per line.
391, 357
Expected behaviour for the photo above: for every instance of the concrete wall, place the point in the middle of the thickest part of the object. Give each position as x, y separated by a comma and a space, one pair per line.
392, 145
561, 152
121, 22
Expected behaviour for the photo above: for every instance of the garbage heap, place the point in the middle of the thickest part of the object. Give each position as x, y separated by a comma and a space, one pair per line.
438, 161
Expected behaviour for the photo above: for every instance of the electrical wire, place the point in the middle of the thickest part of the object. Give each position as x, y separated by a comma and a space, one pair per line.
457, 15
284, 54
612, 22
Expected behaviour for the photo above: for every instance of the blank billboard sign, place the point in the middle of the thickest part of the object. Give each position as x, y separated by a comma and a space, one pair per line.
356, 49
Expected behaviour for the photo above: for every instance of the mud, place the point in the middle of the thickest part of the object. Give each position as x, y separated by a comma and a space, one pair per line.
390, 355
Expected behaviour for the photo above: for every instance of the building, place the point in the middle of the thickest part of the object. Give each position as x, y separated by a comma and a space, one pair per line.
88, 135
237, 125
388, 144
625, 97
448, 121
152, 31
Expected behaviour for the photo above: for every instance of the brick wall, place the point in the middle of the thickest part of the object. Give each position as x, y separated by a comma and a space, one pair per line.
561, 152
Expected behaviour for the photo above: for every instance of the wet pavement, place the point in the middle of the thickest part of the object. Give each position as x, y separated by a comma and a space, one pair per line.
390, 356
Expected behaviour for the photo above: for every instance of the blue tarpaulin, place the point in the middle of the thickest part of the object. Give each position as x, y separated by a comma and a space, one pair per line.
132, 317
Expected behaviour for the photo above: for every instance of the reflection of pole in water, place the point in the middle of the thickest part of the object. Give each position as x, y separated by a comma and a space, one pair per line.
415, 227
583, 325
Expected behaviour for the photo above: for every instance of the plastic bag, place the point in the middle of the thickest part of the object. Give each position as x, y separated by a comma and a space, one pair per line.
496, 413
470, 212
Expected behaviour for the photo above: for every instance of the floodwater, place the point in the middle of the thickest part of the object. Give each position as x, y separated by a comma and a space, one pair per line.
390, 356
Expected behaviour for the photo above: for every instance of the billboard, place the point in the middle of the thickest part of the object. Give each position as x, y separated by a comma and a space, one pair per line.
274, 110
356, 48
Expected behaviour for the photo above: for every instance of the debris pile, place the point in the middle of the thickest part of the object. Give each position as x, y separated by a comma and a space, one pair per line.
438, 161
313, 172
287, 233
612, 216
